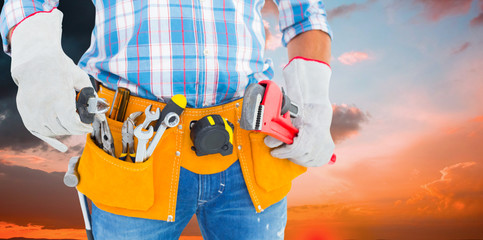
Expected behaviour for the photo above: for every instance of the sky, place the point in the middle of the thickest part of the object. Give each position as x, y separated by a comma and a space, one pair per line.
407, 94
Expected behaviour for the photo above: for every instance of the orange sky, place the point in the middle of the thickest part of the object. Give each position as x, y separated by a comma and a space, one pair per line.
433, 185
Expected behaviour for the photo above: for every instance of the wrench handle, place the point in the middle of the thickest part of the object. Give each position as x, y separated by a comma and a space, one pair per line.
156, 139
141, 151
176, 104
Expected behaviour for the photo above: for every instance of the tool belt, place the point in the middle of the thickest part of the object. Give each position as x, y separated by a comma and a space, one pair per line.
149, 189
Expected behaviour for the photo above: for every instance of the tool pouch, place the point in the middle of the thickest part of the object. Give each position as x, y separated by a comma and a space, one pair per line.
149, 189
112, 182
271, 173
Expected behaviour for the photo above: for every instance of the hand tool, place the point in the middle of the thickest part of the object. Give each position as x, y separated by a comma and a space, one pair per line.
176, 104
86, 215
262, 111
96, 133
169, 117
143, 139
119, 105
171, 120
150, 116
128, 136
268, 110
91, 109
212, 134
71, 179
88, 105
106, 136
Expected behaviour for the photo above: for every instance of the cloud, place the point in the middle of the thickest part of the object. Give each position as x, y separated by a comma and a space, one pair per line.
458, 192
364, 174
14, 134
37, 232
272, 42
44, 158
461, 48
360, 221
350, 58
346, 121
347, 9
270, 9
435, 10
478, 20
32, 159
36, 197
12, 231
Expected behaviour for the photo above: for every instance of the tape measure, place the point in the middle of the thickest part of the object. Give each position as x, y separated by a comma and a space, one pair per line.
212, 134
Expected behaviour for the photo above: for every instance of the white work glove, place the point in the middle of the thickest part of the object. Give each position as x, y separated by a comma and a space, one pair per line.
46, 79
307, 85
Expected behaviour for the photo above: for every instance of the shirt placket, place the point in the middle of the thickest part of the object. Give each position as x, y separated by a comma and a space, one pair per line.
201, 53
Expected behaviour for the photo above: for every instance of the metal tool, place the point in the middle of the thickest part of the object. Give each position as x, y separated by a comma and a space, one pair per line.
86, 215
128, 136
176, 104
71, 179
263, 103
170, 117
96, 133
171, 120
119, 105
106, 136
88, 105
143, 139
150, 116
91, 109
267, 109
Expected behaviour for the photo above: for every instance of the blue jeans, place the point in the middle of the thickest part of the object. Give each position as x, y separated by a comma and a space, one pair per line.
222, 206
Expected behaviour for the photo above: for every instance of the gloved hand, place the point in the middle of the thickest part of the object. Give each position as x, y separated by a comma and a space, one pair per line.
307, 84
46, 79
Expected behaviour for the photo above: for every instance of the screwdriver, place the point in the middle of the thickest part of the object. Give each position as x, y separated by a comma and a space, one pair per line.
119, 106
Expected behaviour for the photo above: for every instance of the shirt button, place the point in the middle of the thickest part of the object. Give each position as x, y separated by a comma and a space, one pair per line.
206, 52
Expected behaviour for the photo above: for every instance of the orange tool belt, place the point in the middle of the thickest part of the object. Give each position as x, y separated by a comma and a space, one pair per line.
149, 189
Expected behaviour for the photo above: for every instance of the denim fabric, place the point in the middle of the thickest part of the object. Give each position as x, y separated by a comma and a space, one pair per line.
222, 206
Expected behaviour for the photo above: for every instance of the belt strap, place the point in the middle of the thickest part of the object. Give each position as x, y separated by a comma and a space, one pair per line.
208, 164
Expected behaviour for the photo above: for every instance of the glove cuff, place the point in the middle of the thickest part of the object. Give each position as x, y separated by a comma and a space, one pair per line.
307, 80
306, 59
39, 32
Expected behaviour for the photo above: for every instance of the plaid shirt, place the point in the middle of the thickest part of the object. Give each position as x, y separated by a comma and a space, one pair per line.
207, 50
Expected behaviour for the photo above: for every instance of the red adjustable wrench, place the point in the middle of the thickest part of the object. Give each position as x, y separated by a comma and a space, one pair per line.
267, 109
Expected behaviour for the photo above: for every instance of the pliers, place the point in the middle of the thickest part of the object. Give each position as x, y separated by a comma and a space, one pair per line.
128, 137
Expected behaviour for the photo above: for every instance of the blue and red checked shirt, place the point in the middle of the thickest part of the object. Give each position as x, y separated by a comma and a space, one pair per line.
208, 50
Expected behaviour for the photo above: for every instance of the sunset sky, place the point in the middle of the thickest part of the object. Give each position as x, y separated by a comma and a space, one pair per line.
407, 89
